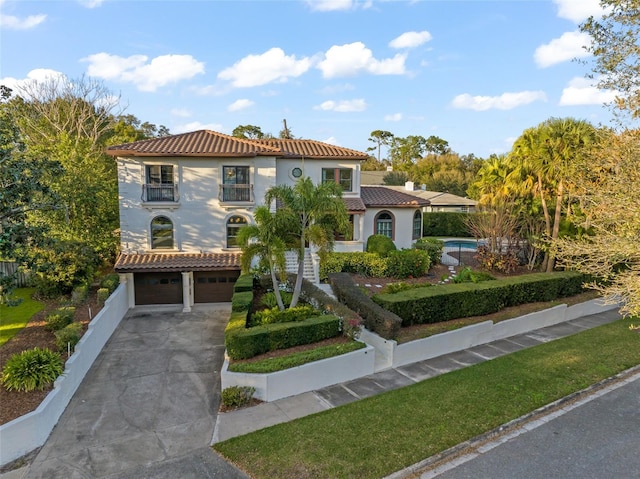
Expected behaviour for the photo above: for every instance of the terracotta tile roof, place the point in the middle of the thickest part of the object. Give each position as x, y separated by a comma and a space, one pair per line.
213, 144
386, 197
170, 263
354, 205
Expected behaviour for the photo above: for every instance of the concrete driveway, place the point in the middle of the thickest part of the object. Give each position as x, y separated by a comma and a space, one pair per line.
148, 406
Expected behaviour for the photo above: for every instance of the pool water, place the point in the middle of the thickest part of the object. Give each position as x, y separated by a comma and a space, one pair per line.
473, 245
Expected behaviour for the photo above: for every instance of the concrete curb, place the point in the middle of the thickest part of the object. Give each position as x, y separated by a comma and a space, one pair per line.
511, 429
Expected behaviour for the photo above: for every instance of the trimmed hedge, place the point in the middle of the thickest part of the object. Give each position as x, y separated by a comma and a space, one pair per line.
243, 283
365, 264
408, 263
242, 301
445, 302
380, 244
376, 318
446, 224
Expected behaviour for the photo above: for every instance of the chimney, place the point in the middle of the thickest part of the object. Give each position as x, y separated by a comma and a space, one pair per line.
408, 186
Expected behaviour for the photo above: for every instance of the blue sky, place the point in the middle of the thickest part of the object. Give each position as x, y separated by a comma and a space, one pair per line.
475, 73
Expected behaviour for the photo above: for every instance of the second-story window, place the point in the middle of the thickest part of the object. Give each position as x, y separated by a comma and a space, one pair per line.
235, 183
160, 185
342, 176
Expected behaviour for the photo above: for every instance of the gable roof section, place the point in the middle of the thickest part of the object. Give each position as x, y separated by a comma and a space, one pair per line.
379, 196
206, 143
437, 198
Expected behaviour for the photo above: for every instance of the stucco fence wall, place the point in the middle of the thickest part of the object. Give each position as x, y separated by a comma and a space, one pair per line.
383, 354
30, 431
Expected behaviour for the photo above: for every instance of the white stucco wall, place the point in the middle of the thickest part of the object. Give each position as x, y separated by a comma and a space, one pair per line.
403, 225
198, 217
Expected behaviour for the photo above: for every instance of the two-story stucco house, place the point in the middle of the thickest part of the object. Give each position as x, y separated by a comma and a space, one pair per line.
184, 197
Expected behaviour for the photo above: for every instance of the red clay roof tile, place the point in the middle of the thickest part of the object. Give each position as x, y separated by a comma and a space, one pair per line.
174, 262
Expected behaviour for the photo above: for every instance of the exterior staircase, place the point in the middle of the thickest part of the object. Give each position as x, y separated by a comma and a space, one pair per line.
310, 262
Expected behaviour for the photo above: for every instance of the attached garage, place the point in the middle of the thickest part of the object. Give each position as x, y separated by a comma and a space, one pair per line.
158, 288
180, 278
214, 286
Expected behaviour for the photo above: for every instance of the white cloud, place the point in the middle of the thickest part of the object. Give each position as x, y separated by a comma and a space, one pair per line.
411, 39
332, 140
581, 91
353, 58
506, 101
37, 75
330, 5
240, 105
342, 105
196, 125
578, 10
147, 76
12, 22
570, 45
393, 117
90, 3
271, 66
181, 112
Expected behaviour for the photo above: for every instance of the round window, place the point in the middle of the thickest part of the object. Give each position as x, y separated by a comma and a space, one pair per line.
296, 172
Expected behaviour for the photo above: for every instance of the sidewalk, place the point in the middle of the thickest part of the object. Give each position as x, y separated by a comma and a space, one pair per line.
244, 421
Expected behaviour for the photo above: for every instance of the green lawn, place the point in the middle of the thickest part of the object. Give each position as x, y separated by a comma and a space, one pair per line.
379, 435
14, 318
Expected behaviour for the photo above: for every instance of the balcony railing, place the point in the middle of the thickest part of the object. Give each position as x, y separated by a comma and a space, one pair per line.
231, 193
162, 192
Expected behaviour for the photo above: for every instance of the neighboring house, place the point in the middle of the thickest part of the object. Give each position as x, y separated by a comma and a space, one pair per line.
184, 197
439, 202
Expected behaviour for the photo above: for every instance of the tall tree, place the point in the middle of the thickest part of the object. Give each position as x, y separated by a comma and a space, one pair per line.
404, 152
550, 152
263, 241
380, 138
607, 181
436, 145
250, 132
615, 45
312, 214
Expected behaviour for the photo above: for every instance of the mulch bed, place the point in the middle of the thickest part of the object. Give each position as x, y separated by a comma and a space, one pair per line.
17, 403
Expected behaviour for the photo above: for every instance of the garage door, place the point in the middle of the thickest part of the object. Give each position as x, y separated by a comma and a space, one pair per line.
158, 288
214, 286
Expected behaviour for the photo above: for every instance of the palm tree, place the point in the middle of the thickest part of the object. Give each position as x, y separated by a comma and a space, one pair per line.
262, 240
549, 151
312, 214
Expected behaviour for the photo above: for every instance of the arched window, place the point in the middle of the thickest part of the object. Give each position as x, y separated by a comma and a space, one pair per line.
234, 223
161, 233
417, 224
384, 224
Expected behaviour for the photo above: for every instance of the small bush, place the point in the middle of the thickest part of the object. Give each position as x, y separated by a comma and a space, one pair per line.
434, 247
59, 318
102, 295
32, 369
237, 396
501, 262
269, 299
274, 315
380, 244
365, 264
79, 294
467, 275
68, 336
111, 282
402, 286
408, 263
244, 283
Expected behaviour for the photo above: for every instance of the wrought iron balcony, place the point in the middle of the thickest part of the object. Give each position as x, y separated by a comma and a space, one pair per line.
236, 193
163, 192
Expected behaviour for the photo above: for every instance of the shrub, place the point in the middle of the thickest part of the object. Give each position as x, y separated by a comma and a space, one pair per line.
79, 294
376, 318
31, 369
111, 282
59, 318
446, 224
237, 396
502, 262
434, 247
68, 336
242, 301
467, 275
274, 315
243, 283
269, 299
408, 263
365, 264
102, 295
380, 244
392, 288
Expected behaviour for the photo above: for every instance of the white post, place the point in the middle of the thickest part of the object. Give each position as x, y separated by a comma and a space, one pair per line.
186, 292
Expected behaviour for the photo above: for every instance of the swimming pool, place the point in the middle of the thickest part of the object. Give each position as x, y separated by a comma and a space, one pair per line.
461, 244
